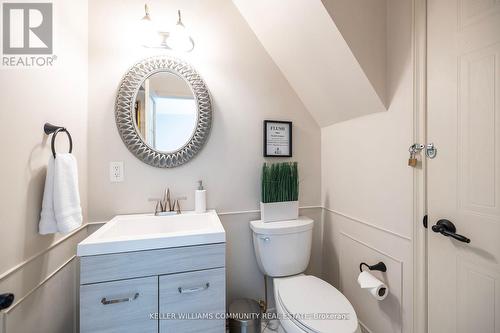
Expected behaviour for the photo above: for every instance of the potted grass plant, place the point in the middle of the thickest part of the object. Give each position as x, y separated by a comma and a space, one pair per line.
280, 192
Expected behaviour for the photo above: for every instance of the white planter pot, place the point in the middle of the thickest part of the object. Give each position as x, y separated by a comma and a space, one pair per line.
279, 211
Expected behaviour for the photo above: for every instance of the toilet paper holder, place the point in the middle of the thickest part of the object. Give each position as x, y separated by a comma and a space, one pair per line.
377, 267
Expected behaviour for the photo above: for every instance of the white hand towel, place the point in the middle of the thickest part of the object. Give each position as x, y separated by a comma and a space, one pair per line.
48, 223
66, 194
61, 210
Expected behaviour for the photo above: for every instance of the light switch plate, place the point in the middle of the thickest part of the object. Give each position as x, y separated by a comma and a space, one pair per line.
116, 172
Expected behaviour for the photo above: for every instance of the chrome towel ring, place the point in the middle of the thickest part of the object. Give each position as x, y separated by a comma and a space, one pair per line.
54, 130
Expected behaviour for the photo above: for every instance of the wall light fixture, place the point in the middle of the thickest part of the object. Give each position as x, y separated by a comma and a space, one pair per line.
178, 39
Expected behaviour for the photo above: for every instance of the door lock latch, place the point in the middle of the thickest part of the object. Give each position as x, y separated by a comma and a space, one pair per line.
430, 150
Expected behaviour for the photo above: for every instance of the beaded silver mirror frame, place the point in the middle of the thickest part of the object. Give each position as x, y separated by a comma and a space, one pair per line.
124, 111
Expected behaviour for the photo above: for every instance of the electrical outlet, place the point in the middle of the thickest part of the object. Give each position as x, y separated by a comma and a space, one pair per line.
116, 172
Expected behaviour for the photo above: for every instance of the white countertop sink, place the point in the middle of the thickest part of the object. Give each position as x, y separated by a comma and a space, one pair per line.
125, 233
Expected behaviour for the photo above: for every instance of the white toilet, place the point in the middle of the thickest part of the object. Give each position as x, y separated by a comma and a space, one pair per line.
283, 250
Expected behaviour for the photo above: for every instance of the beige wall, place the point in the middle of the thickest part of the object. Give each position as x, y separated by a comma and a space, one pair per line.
29, 98
244, 279
246, 88
46, 289
308, 47
367, 190
363, 24
359, 164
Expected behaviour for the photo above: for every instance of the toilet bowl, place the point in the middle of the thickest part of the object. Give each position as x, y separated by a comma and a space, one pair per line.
304, 303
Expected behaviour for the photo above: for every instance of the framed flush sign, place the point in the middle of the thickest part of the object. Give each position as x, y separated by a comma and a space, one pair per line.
277, 138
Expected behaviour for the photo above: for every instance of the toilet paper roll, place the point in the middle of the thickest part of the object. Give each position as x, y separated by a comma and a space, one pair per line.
376, 287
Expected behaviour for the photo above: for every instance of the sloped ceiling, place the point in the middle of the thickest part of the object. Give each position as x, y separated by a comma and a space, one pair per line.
363, 25
310, 50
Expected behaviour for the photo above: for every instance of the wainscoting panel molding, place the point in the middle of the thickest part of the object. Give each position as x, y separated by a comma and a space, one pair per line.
371, 225
52, 307
346, 243
41, 306
46, 288
379, 316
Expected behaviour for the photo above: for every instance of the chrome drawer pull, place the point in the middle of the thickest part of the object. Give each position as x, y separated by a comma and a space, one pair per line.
119, 300
193, 290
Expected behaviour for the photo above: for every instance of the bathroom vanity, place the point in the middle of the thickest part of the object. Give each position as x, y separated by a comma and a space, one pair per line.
149, 273
146, 273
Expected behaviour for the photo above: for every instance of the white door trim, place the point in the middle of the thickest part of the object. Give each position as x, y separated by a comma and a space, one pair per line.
419, 42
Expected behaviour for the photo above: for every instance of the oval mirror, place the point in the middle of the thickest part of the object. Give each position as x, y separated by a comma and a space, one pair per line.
163, 111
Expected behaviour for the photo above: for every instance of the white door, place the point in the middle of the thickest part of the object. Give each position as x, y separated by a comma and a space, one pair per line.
464, 178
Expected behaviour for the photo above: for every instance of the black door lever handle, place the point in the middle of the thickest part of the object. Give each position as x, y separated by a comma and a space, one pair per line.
6, 300
448, 229
456, 236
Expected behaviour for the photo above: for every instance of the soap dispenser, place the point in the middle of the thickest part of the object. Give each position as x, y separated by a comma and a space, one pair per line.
200, 199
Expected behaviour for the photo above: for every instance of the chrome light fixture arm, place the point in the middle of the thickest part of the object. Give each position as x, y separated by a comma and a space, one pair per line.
166, 35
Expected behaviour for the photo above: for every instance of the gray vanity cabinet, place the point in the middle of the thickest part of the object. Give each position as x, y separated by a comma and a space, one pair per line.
199, 295
138, 291
119, 306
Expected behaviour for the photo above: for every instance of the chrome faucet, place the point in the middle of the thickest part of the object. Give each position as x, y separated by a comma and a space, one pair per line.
177, 204
164, 206
167, 203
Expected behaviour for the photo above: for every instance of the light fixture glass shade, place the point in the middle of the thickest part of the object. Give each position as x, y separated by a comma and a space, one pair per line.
179, 38
147, 31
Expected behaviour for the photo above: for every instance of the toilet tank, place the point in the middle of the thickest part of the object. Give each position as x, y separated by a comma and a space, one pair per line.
282, 248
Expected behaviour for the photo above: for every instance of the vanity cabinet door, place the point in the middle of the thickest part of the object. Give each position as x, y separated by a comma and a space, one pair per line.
119, 306
200, 293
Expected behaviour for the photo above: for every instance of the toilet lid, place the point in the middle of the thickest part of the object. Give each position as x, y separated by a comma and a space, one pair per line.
305, 296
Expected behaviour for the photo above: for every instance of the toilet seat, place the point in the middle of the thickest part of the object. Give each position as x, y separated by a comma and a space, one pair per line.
302, 296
